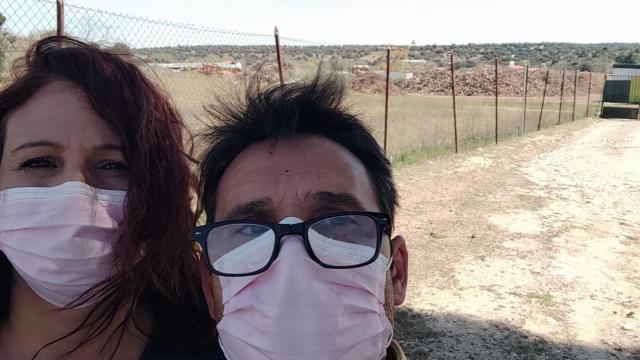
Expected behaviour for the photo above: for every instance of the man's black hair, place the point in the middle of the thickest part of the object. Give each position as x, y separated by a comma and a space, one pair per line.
300, 108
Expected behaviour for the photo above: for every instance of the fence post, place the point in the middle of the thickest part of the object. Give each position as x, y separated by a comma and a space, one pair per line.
544, 96
276, 33
496, 101
60, 17
575, 96
601, 105
386, 100
589, 94
561, 97
524, 102
453, 93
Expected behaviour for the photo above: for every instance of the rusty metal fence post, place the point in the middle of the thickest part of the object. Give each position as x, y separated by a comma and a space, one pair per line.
524, 102
589, 94
601, 104
60, 17
453, 93
276, 33
575, 96
496, 101
386, 101
544, 96
561, 97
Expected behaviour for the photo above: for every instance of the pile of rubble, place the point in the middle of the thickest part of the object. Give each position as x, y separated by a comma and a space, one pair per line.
480, 81
373, 83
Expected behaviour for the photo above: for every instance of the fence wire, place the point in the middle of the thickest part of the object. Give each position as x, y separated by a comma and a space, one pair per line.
194, 64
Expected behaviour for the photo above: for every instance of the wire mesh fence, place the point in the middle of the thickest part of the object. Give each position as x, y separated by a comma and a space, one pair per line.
194, 64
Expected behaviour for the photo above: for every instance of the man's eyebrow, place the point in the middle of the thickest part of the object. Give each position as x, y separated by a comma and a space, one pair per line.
35, 144
256, 208
329, 200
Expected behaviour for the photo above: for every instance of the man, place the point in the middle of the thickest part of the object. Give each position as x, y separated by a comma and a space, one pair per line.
301, 260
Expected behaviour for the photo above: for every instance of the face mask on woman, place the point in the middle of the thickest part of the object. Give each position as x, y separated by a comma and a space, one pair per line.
59, 239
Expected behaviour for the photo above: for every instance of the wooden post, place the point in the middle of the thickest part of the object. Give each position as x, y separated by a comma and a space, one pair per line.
561, 97
575, 97
386, 101
276, 33
524, 102
453, 93
60, 17
589, 94
496, 100
544, 95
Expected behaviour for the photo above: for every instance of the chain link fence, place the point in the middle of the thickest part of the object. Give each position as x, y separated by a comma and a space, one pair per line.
195, 63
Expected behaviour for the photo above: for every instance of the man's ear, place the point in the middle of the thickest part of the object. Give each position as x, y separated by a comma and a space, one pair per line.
399, 269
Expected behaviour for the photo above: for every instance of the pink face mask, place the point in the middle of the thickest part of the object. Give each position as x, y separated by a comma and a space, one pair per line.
297, 309
59, 239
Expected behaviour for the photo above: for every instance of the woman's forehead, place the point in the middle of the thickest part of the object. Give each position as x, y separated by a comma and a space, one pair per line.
58, 112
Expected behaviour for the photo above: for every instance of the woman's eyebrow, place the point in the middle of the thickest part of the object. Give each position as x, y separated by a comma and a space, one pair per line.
35, 144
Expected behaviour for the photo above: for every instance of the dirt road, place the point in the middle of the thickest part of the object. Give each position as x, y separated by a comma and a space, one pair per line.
526, 250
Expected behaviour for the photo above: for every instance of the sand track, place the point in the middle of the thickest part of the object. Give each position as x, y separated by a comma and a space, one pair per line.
526, 250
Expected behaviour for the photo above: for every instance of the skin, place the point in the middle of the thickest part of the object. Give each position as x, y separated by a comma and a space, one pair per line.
54, 138
303, 177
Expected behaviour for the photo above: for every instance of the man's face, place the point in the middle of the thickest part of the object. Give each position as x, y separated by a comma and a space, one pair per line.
303, 177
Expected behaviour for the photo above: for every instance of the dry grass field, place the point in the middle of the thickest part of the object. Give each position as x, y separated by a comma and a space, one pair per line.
416, 122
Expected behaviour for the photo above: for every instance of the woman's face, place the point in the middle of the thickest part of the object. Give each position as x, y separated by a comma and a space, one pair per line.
56, 137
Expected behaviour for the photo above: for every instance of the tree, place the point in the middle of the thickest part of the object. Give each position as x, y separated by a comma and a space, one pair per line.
121, 49
586, 67
628, 58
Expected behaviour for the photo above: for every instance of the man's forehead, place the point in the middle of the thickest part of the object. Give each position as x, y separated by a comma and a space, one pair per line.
297, 169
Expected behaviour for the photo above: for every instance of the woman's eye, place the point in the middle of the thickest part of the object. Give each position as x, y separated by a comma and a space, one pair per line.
38, 163
112, 165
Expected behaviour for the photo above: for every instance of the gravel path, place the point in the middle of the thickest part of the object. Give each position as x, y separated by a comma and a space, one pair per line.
526, 250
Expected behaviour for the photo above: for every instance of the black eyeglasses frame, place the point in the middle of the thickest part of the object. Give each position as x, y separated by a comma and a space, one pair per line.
382, 221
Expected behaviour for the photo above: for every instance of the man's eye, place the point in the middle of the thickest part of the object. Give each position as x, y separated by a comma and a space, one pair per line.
341, 220
251, 230
38, 163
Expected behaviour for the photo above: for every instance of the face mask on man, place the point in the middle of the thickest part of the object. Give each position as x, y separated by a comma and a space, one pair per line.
59, 239
297, 309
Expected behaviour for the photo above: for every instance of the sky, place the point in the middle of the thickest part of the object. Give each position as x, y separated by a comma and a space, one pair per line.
401, 22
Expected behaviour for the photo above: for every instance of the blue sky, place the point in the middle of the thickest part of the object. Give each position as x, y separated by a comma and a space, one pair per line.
400, 22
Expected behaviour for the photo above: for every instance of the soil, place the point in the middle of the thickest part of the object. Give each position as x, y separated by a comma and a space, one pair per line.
372, 83
525, 250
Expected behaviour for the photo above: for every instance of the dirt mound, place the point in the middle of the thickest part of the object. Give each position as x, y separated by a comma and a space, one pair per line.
269, 73
373, 83
480, 81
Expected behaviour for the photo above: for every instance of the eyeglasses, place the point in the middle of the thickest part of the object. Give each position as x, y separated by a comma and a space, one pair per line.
337, 241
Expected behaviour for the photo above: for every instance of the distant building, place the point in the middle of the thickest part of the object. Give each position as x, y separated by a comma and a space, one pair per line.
207, 68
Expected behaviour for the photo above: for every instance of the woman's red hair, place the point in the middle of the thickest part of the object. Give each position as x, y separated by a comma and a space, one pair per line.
153, 256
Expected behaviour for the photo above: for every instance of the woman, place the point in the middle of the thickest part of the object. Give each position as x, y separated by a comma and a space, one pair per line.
95, 213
